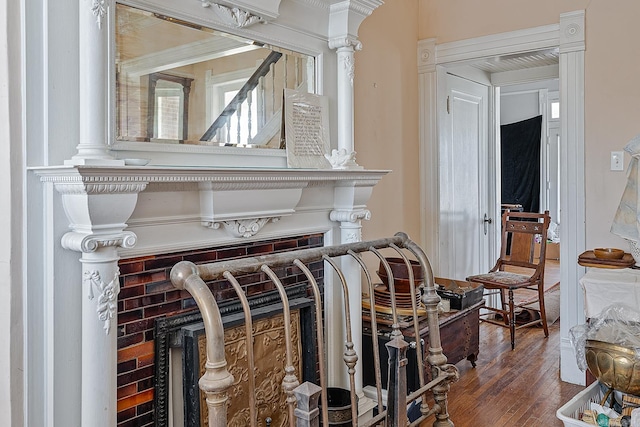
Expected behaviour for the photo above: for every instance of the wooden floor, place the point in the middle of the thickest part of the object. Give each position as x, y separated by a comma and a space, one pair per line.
511, 388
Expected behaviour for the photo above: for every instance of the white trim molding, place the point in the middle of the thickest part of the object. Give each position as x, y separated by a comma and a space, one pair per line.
572, 189
569, 37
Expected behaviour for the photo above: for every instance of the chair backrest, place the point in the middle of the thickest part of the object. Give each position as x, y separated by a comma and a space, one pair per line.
520, 233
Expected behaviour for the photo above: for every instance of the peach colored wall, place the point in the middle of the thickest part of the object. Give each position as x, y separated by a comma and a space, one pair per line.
386, 95
386, 117
450, 20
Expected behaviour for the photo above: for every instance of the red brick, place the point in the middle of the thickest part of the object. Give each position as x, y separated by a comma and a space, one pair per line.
285, 245
135, 376
129, 340
140, 326
131, 292
200, 257
162, 262
136, 351
135, 400
146, 277
232, 253
131, 267
146, 360
127, 414
157, 310
263, 249
127, 390
129, 316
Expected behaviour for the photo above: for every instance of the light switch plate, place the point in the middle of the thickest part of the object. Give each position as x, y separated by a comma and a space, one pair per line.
617, 160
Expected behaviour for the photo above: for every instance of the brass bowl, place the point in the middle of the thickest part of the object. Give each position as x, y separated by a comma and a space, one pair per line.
615, 366
608, 253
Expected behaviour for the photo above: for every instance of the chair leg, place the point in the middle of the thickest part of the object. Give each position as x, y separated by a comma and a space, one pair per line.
504, 307
543, 312
512, 320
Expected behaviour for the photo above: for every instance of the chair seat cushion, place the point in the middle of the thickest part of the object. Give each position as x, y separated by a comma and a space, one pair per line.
501, 278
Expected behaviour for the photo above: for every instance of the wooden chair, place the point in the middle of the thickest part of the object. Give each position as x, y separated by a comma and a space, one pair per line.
517, 268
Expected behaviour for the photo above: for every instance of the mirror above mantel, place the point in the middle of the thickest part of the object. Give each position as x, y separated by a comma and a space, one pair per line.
182, 83
200, 82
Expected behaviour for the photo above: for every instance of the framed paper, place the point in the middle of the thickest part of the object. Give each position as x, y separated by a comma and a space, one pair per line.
306, 129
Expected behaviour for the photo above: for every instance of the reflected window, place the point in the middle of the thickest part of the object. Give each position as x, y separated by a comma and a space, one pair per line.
555, 110
168, 107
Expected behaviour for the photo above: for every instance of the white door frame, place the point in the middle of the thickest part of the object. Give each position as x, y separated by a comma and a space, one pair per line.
569, 36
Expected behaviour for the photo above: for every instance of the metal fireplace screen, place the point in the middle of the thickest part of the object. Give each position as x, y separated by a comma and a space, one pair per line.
301, 399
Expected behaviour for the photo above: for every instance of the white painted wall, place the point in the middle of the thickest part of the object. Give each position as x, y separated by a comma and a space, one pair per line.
520, 102
11, 181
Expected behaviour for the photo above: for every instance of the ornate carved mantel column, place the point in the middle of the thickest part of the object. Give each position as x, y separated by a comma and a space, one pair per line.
350, 199
93, 145
346, 46
97, 214
349, 211
345, 19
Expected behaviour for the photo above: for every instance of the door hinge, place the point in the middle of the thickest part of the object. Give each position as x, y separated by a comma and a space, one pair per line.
448, 109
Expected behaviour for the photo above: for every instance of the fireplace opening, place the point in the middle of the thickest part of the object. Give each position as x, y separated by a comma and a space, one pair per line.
153, 315
181, 354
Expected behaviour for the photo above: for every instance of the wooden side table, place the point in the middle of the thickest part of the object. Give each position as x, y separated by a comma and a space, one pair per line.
459, 335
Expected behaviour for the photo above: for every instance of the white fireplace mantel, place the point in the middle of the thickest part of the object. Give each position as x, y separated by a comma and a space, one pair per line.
100, 201
95, 196
113, 210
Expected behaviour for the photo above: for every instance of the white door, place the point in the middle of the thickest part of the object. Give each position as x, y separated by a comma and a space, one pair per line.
465, 232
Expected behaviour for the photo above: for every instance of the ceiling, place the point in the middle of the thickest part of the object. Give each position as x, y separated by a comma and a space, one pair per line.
515, 62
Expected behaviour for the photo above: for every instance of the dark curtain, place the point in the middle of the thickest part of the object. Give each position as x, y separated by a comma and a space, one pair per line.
520, 157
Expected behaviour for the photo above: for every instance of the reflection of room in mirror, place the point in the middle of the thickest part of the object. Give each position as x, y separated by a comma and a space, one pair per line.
181, 83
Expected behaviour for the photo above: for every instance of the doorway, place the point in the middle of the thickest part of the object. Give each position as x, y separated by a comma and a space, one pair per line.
434, 61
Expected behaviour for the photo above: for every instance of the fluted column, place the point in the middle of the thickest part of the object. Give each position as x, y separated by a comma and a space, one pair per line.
97, 214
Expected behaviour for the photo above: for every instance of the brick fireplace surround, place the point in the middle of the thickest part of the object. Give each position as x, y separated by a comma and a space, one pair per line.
146, 294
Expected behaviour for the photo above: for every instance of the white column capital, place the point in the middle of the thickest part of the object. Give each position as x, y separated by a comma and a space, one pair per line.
350, 215
345, 43
345, 18
88, 243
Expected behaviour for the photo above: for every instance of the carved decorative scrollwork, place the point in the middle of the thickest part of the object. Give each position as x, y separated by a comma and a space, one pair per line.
99, 10
101, 187
233, 15
242, 227
108, 292
341, 159
350, 67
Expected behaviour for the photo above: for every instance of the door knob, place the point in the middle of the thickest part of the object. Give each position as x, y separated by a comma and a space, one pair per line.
486, 221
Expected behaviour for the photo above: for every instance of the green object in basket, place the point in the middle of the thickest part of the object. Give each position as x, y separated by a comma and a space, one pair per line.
603, 420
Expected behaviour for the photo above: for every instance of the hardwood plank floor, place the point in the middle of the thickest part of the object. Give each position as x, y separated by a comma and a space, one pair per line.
511, 388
